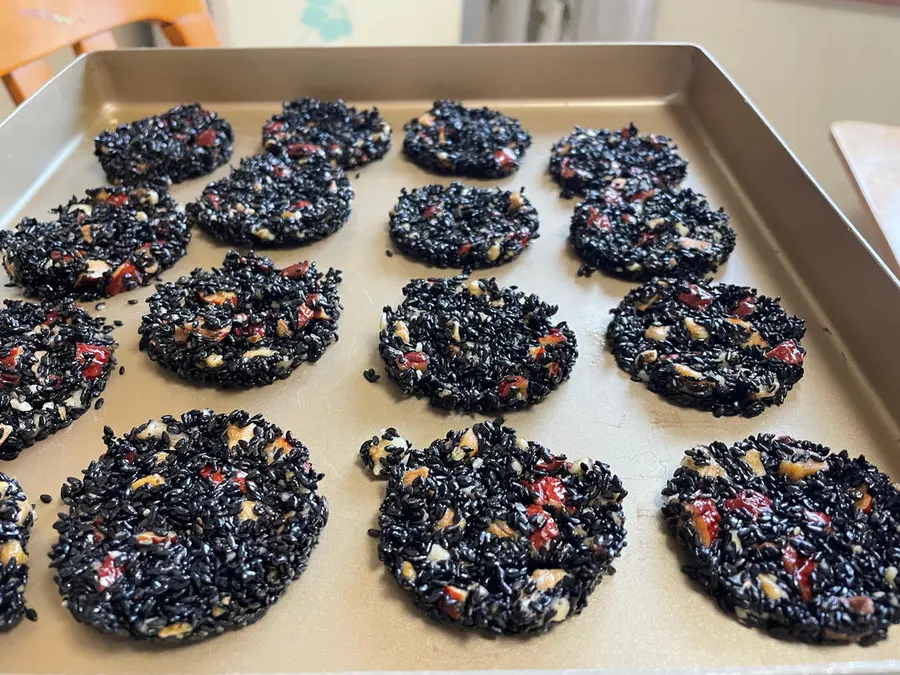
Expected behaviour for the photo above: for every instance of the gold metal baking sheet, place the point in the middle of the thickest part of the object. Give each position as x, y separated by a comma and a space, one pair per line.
345, 613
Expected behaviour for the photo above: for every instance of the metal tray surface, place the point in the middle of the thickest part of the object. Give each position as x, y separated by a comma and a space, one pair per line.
345, 613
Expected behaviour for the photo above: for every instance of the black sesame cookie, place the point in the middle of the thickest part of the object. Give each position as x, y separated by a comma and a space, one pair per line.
187, 527
490, 531
348, 137
477, 142
16, 519
463, 226
592, 159
111, 240
470, 345
55, 359
185, 142
245, 324
791, 537
265, 202
656, 233
718, 347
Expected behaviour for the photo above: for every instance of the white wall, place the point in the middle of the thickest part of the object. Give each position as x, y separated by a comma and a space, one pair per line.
805, 63
278, 23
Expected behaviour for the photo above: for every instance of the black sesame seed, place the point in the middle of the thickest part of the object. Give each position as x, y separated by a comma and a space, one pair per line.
655, 231
180, 531
121, 370
790, 537
453, 139
55, 359
483, 348
265, 202
348, 138
16, 520
117, 323
595, 159
133, 301
184, 142
489, 531
245, 324
717, 347
373, 532
99, 404
371, 375
46, 498
463, 226
107, 242
389, 253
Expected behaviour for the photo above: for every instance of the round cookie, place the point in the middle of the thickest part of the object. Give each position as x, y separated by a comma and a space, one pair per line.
463, 226
718, 347
487, 530
265, 202
187, 527
16, 519
476, 142
470, 345
55, 359
656, 233
245, 324
111, 240
348, 137
185, 142
592, 159
791, 537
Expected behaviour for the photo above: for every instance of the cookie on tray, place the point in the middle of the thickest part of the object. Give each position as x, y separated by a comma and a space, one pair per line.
656, 233
791, 537
245, 324
112, 240
16, 519
348, 137
187, 527
185, 142
488, 530
476, 142
265, 202
717, 347
593, 159
463, 226
55, 360
470, 345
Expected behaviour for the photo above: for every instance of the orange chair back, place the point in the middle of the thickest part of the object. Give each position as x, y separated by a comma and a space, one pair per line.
33, 29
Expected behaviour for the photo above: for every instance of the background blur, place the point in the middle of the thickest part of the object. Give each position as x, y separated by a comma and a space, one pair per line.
805, 63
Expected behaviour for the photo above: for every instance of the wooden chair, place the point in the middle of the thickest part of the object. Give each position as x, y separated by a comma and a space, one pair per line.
33, 29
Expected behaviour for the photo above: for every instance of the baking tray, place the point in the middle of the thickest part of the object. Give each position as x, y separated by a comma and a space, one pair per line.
346, 613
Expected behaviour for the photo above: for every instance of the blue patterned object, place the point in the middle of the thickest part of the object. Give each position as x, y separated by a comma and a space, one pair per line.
329, 18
